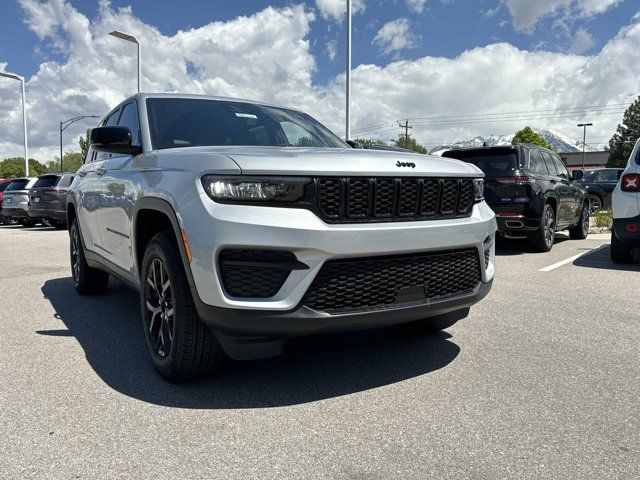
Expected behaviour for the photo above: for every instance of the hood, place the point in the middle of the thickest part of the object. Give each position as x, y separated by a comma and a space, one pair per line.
340, 162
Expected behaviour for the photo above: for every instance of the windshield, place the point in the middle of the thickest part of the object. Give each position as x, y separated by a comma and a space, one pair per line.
18, 184
502, 164
185, 122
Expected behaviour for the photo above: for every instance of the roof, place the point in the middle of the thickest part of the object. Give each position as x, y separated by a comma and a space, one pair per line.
192, 96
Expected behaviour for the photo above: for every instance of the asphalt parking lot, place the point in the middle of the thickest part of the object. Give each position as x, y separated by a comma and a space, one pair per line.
541, 381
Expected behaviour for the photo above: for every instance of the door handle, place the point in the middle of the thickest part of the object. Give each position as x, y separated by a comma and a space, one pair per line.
100, 171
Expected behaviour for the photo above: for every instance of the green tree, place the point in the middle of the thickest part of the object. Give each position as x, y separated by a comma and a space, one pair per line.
14, 167
71, 162
410, 144
526, 135
368, 142
84, 143
626, 135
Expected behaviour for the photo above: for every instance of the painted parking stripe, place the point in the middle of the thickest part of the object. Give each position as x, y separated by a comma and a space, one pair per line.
570, 259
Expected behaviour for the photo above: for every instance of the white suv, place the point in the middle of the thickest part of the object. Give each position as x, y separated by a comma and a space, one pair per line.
625, 201
243, 223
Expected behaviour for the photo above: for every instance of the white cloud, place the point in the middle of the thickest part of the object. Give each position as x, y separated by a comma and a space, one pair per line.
416, 6
266, 56
526, 13
582, 42
331, 49
394, 36
336, 9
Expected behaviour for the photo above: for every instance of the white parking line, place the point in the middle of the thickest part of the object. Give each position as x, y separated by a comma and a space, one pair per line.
569, 260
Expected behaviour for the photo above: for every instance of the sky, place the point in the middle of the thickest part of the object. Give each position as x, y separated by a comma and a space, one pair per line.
454, 68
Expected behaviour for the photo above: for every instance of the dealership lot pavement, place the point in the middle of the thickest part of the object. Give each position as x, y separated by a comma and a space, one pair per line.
541, 381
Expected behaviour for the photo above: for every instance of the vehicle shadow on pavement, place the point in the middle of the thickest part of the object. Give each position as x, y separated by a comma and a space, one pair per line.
312, 368
601, 258
519, 245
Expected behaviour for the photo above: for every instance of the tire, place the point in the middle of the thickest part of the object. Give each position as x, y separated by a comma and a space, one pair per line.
542, 239
58, 224
86, 280
167, 310
581, 230
620, 252
28, 223
595, 203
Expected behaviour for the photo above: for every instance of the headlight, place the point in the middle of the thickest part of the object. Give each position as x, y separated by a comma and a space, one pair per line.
478, 189
249, 189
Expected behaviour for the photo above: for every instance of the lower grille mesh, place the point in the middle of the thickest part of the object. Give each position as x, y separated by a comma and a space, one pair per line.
361, 284
249, 273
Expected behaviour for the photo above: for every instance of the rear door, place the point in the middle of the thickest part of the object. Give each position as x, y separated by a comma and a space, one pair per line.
567, 193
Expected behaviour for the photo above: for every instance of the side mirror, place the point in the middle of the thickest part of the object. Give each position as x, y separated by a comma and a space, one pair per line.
113, 140
577, 174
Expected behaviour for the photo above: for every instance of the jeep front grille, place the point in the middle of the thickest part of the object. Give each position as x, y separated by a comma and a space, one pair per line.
382, 282
364, 199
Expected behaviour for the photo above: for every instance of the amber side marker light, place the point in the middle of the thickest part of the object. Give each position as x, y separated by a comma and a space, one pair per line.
186, 244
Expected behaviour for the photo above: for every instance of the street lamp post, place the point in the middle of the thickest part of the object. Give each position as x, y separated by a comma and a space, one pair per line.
63, 126
348, 75
132, 39
24, 119
584, 139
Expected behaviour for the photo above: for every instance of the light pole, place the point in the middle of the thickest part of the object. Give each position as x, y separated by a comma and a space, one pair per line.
584, 139
24, 119
132, 39
63, 127
348, 76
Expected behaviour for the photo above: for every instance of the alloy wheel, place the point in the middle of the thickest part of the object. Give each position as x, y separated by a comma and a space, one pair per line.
160, 308
75, 255
549, 230
595, 204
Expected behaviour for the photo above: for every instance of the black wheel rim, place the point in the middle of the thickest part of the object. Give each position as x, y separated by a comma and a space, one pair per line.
75, 255
160, 311
549, 230
594, 204
585, 220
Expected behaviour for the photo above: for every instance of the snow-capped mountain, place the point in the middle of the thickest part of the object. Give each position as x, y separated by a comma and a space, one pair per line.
558, 141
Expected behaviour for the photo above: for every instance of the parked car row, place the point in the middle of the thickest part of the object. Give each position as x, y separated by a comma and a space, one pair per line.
32, 200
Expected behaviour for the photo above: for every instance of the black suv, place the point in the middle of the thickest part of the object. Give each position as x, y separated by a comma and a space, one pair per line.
48, 198
531, 192
600, 184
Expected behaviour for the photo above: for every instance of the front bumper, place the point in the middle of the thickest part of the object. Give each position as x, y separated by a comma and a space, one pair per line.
211, 227
304, 321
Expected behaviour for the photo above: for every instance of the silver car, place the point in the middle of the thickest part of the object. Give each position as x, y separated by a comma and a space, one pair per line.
15, 201
243, 223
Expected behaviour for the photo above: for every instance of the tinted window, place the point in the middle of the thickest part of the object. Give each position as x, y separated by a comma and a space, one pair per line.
65, 181
129, 118
536, 163
111, 119
18, 184
607, 176
45, 182
500, 164
184, 122
548, 160
3, 186
562, 171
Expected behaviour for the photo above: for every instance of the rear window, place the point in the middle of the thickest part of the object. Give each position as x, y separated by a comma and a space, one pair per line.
3, 186
45, 182
499, 164
18, 184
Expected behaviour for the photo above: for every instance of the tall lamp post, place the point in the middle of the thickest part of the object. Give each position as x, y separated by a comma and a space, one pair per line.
132, 39
584, 139
63, 127
24, 119
348, 75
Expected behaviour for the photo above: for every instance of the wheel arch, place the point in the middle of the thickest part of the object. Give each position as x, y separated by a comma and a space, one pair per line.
150, 216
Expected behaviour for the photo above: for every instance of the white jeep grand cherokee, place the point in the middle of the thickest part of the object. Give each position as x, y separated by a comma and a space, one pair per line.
243, 223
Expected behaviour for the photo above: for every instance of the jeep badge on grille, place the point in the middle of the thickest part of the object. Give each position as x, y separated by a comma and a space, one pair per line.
405, 164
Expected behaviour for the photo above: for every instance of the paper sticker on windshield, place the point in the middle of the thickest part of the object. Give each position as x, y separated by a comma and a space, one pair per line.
245, 115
